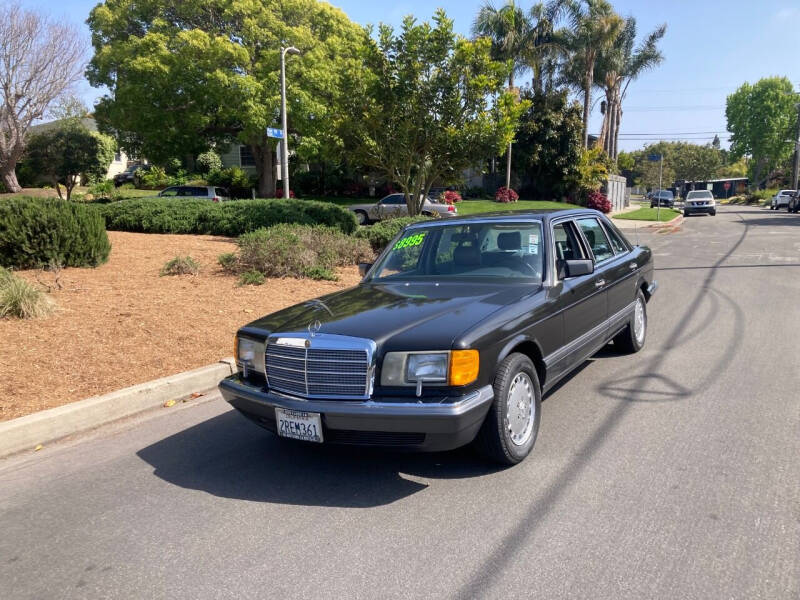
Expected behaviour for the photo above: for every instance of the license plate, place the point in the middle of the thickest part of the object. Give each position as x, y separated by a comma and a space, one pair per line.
299, 425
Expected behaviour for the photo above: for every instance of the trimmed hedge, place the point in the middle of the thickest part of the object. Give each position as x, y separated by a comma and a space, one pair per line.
162, 215
382, 233
38, 232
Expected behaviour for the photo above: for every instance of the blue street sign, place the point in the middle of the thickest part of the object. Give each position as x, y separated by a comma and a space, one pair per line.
275, 133
654, 157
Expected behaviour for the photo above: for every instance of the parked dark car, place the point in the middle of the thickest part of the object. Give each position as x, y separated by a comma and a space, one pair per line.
662, 198
127, 176
452, 336
794, 203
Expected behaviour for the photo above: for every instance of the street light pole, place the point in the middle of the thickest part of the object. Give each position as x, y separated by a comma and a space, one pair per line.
285, 139
796, 174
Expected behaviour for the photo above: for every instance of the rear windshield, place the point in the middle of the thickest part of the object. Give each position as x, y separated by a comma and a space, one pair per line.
699, 194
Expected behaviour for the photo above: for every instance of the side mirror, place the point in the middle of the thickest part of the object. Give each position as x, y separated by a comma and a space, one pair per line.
363, 268
576, 268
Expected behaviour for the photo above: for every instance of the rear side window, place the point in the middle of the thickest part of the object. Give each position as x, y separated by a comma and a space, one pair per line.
596, 237
221, 192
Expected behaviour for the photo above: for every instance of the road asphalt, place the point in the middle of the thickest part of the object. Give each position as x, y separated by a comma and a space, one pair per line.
672, 473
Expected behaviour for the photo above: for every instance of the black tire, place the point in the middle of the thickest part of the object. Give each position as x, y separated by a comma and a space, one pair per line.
686, 213
362, 217
713, 213
494, 440
626, 340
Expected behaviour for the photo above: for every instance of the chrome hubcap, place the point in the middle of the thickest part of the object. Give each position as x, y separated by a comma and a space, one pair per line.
639, 321
520, 409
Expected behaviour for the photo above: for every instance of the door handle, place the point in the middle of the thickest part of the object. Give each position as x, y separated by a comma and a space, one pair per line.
599, 283
633, 266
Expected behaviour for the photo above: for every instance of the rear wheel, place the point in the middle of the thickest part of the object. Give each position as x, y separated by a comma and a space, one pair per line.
509, 431
713, 213
632, 338
361, 217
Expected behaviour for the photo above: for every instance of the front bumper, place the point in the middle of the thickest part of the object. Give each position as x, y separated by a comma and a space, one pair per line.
401, 425
708, 208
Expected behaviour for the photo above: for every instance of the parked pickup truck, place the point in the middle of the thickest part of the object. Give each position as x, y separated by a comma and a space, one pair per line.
451, 337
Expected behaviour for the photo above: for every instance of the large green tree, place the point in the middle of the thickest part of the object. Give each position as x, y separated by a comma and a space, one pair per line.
761, 118
184, 76
65, 154
427, 104
548, 144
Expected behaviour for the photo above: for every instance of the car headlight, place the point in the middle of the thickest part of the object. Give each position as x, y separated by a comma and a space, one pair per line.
249, 354
455, 367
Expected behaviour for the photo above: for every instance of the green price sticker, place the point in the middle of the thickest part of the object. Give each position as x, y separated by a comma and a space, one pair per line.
410, 241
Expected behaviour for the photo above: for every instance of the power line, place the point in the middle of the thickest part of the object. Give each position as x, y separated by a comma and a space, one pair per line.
671, 108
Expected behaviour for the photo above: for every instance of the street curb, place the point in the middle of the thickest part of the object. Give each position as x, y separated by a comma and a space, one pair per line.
25, 433
632, 224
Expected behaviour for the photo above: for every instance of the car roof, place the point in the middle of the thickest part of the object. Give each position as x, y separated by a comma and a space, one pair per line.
511, 216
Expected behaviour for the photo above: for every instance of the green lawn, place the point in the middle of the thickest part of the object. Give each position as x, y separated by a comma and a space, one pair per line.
473, 207
649, 214
465, 207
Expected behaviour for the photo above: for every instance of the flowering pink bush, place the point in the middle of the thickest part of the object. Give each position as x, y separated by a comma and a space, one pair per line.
279, 193
450, 197
598, 201
504, 194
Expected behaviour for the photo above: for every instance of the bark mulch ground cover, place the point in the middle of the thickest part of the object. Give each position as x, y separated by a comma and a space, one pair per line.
122, 324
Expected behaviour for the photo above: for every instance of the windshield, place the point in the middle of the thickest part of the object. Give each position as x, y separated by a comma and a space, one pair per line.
699, 194
474, 250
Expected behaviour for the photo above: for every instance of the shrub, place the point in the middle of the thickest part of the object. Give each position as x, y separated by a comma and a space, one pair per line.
208, 162
380, 234
299, 251
504, 194
36, 232
236, 180
251, 278
598, 201
20, 299
154, 178
450, 197
102, 189
180, 265
228, 261
164, 215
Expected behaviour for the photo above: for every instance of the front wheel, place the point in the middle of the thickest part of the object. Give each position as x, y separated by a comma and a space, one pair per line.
361, 217
713, 213
686, 213
509, 431
632, 338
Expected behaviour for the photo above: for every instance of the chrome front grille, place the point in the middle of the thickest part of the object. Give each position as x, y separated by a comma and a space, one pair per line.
329, 366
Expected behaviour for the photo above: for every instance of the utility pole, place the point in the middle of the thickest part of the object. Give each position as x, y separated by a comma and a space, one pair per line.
285, 140
797, 153
660, 173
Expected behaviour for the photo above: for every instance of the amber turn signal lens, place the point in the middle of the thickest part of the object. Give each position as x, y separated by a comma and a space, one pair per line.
463, 367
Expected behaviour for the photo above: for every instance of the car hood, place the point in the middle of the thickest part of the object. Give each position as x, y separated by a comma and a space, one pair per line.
408, 316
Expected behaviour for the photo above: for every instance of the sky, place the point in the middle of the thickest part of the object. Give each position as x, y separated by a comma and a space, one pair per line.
710, 48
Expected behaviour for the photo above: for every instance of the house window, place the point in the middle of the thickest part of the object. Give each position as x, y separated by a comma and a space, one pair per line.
246, 157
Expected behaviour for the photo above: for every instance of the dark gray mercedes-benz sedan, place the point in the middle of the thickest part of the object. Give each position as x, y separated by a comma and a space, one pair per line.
451, 337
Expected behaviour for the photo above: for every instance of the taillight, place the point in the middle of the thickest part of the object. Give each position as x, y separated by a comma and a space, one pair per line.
215, 199
451, 208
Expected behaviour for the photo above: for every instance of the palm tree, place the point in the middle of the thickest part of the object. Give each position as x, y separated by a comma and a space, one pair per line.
616, 68
509, 29
594, 26
543, 46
